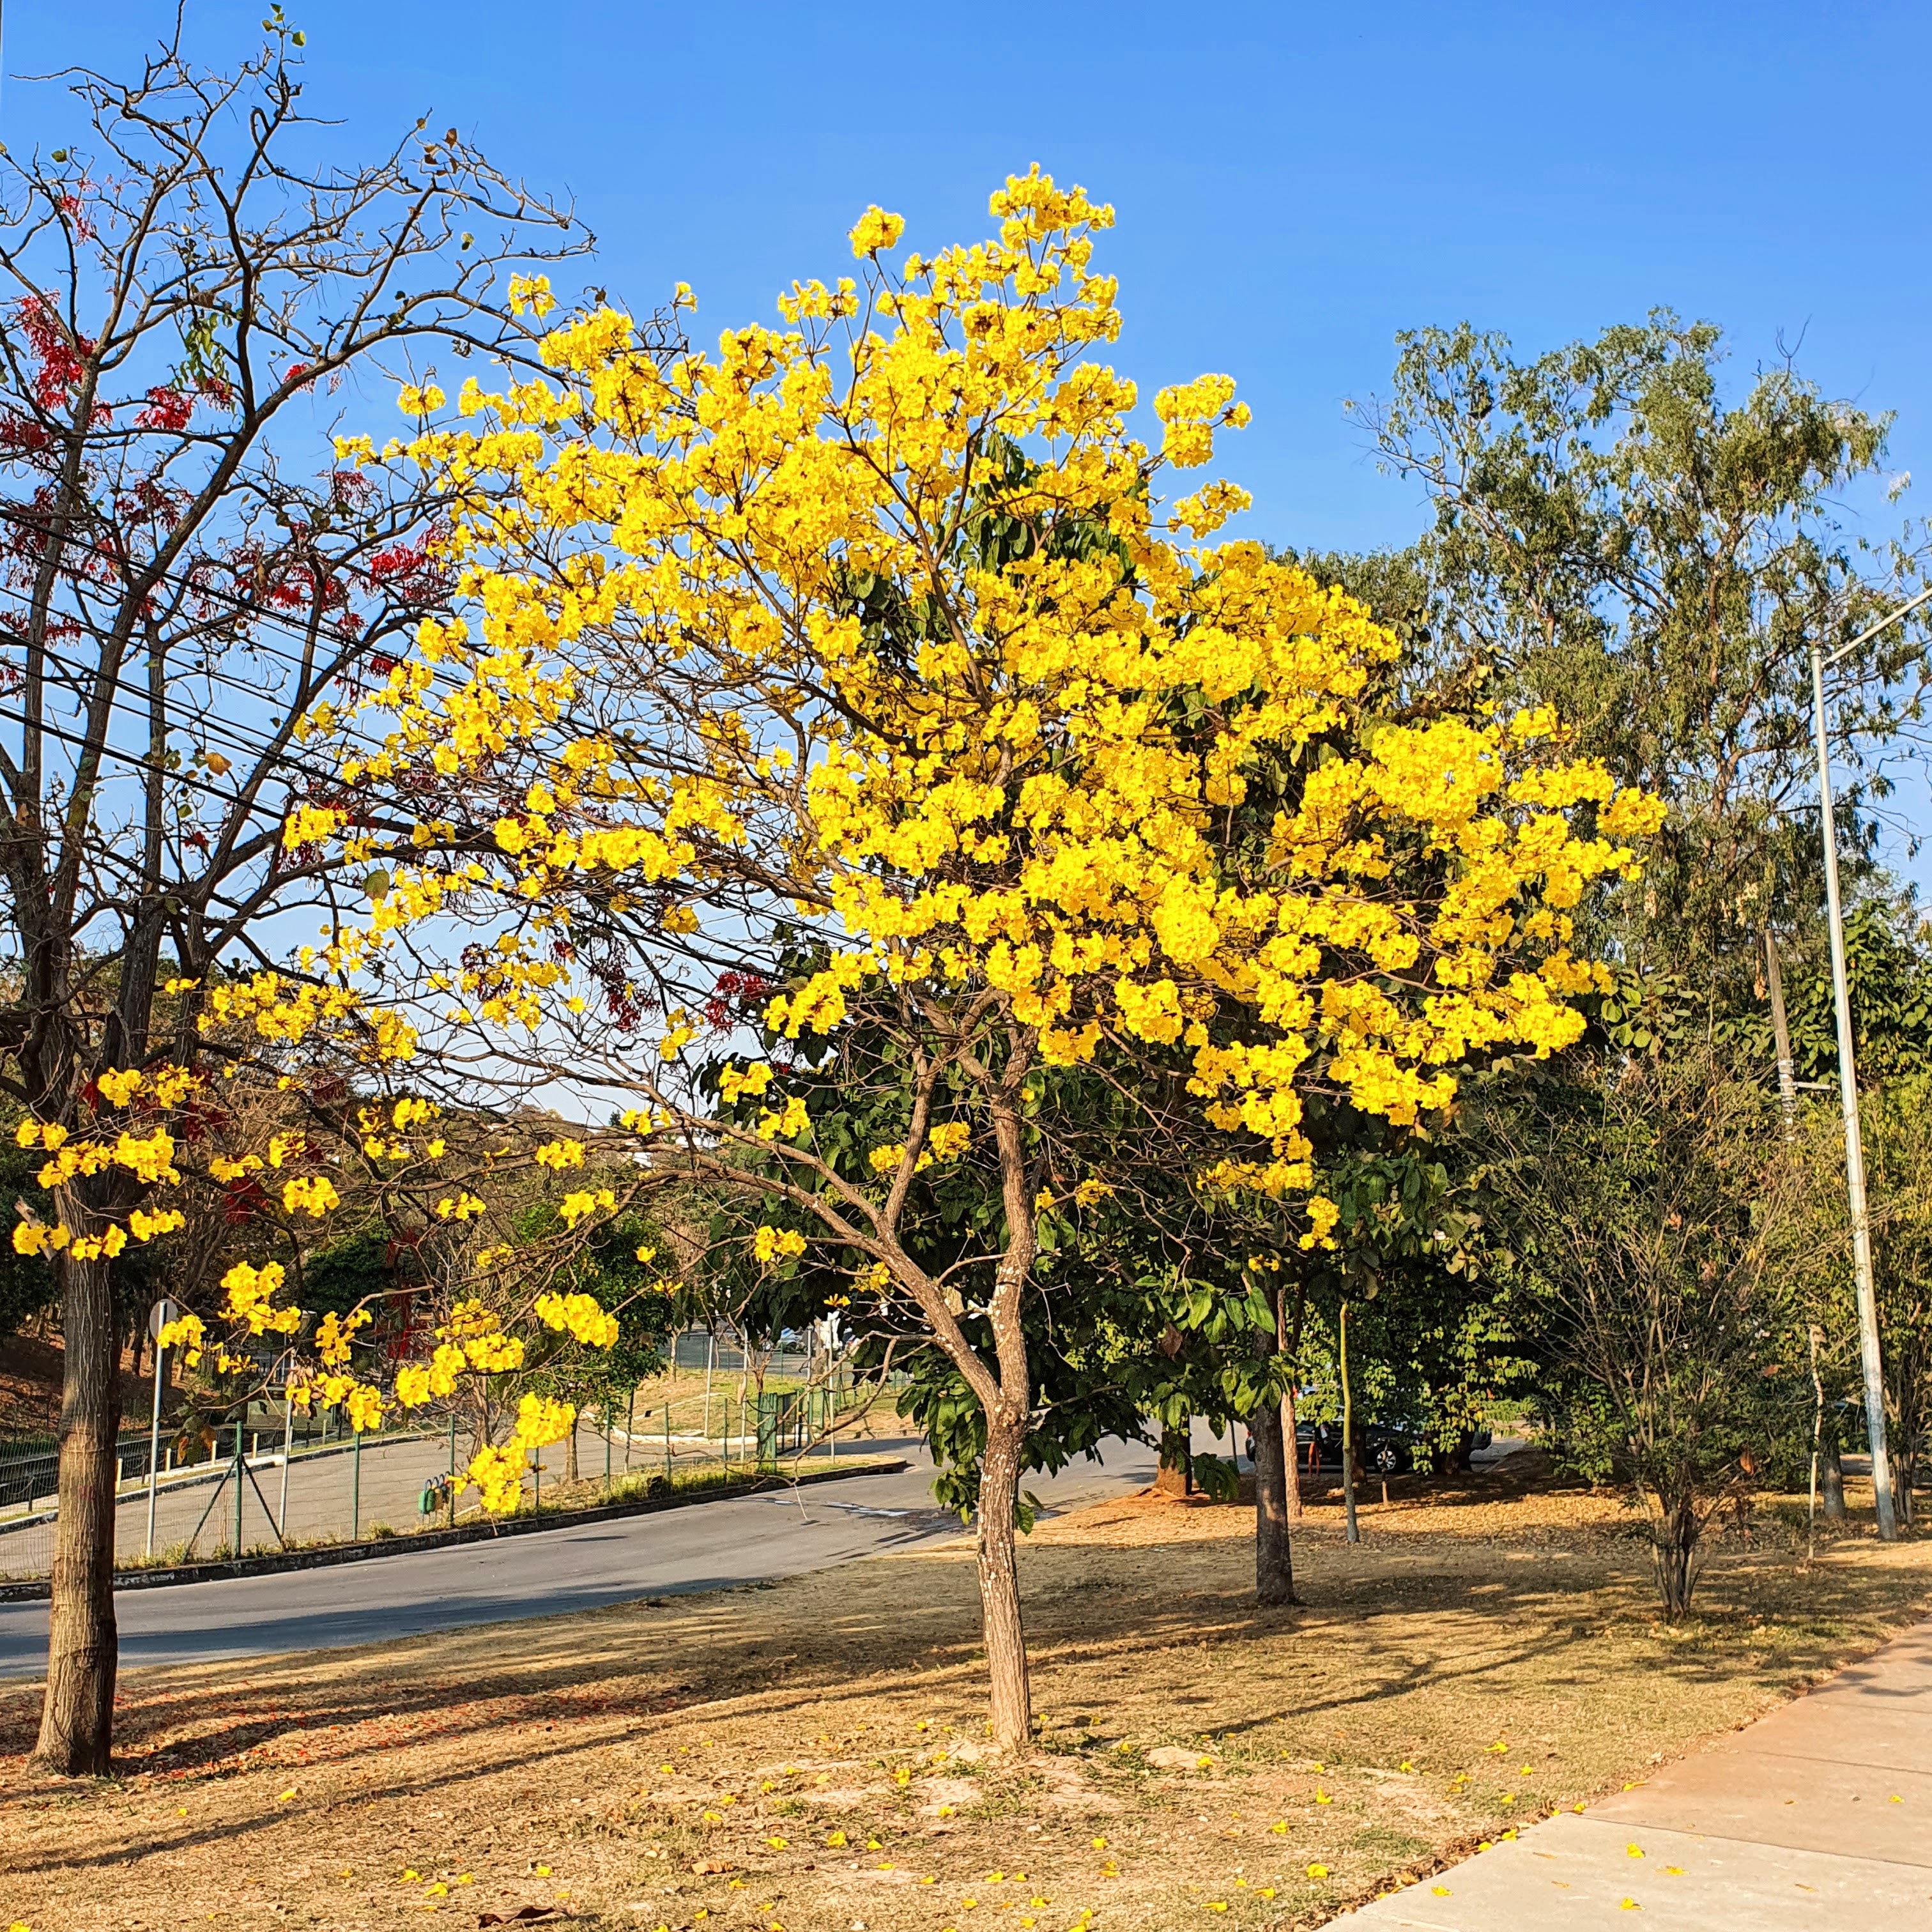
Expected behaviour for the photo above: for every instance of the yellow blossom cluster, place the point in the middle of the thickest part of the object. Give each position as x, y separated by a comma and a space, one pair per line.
495, 1472
946, 1140
771, 1244
582, 1315
251, 1293
313, 1195
993, 771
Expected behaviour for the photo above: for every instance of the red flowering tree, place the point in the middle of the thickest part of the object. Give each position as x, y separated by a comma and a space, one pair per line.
184, 289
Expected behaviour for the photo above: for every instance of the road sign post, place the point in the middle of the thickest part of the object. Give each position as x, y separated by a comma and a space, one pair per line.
159, 1316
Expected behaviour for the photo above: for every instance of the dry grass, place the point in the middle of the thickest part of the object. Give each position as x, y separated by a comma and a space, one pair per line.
686, 1763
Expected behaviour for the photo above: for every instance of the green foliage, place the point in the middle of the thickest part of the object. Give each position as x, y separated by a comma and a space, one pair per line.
349, 1271
605, 1265
1613, 538
1432, 1340
1888, 969
1898, 1156
1654, 1209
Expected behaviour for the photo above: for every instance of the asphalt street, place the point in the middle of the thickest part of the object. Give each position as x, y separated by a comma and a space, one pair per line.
328, 1495
706, 1546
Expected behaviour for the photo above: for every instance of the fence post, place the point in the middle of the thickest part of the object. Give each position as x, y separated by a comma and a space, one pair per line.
288, 1456
355, 1485
607, 1452
666, 1433
154, 1450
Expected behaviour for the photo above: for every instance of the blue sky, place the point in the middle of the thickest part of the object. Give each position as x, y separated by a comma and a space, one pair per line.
1294, 183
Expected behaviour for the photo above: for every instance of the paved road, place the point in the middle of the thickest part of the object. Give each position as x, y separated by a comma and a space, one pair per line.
329, 1495
1816, 1817
706, 1546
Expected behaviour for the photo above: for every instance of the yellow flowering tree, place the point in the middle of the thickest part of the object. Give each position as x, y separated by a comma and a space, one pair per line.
873, 631
485, 1303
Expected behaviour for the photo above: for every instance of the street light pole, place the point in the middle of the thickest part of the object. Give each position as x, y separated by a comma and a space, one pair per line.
1870, 1358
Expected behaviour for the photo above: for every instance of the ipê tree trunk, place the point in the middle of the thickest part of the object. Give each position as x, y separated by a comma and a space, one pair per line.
1011, 1705
1274, 1561
1287, 1342
77, 1738
1277, 1492
1290, 1450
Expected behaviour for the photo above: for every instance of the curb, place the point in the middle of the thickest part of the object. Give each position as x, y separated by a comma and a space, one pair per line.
331, 1554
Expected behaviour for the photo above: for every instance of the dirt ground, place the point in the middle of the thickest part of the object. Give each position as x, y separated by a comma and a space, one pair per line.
807, 1757
31, 1368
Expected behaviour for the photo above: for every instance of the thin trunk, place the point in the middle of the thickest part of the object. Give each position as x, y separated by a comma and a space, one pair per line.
1287, 1342
1012, 1699
76, 1736
1274, 1560
1274, 1483
1007, 1417
1832, 1482
1290, 1448
570, 1456
1674, 1556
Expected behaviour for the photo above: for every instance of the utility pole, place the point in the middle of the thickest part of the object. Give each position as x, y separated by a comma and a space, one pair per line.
1871, 1360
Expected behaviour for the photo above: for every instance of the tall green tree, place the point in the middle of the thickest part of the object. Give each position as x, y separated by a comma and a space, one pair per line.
1616, 536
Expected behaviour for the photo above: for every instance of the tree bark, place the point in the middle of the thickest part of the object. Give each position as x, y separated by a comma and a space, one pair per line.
1290, 1453
1274, 1561
1277, 1492
1287, 1342
1831, 1484
1007, 1413
77, 1738
1175, 1476
1011, 1694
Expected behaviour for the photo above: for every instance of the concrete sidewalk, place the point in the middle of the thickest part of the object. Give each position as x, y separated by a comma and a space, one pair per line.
1816, 1817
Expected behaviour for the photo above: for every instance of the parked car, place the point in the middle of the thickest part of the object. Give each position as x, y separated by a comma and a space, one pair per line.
1385, 1451
1388, 1448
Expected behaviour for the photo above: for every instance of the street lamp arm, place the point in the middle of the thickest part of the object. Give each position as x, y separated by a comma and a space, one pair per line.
1885, 623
